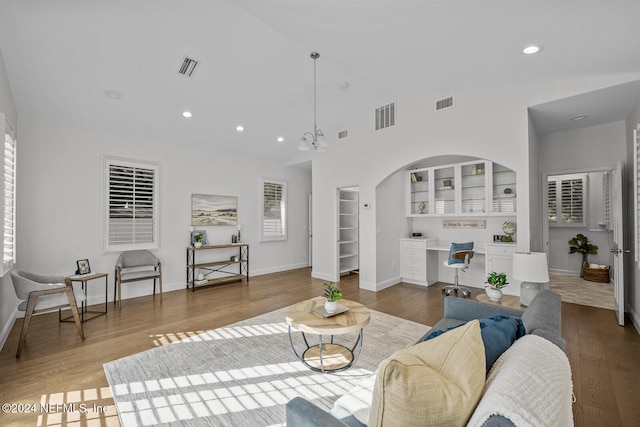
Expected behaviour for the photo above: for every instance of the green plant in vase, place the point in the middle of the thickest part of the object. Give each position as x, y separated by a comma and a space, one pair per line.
581, 245
495, 282
197, 239
333, 295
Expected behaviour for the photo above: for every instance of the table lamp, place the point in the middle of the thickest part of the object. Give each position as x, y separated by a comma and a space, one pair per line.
531, 268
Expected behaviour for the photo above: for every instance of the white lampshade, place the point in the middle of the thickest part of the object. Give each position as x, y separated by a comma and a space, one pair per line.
530, 267
320, 139
303, 145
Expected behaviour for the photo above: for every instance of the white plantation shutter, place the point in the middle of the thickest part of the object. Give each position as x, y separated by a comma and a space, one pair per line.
9, 190
567, 200
131, 205
552, 209
274, 210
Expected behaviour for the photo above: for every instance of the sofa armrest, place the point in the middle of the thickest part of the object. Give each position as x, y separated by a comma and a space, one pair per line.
466, 309
302, 413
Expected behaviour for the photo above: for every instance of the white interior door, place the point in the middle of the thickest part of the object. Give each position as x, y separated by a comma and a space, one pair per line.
618, 245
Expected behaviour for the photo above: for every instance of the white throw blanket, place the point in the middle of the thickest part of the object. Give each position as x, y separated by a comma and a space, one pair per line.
530, 384
356, 401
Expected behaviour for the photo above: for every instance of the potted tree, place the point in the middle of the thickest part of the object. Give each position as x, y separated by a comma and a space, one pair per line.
495, 282
333, 295
581, 245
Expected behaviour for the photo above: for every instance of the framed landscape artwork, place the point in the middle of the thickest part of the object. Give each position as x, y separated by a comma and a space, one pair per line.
213, 210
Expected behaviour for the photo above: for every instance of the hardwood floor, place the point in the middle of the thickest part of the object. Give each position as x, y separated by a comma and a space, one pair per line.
57, 368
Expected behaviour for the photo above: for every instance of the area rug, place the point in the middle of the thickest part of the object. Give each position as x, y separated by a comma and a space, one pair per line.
579, 291
242, 374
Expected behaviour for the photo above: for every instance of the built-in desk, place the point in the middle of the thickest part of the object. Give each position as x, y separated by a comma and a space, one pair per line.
421, 261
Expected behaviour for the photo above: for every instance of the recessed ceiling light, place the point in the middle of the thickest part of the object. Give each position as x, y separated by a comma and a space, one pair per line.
239, 128
112, 94
578, 118
280, 139
187, 114
530, 50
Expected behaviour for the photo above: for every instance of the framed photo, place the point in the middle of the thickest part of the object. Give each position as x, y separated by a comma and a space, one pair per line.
204, 239
83, 266
213, 210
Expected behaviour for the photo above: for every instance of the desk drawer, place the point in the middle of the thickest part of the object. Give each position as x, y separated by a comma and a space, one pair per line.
410, 244
414, 264
500, 249
415, 275
414, 253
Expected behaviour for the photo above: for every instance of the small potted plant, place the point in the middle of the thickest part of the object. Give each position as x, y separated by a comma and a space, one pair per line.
495, 282
581, 245
333, 295
197, 240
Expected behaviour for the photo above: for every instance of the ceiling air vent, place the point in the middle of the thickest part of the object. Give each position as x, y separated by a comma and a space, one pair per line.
444, 103
386, 116
342, 134
188, 67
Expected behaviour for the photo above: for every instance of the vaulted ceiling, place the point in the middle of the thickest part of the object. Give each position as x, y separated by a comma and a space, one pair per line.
67, 60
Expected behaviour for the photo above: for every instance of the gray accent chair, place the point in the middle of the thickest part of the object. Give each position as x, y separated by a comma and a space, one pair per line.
44, 293
133, 266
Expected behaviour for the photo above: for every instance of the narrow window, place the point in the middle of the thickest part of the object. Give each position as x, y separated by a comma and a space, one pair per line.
274, 210
567, 200
131, 205
9, 190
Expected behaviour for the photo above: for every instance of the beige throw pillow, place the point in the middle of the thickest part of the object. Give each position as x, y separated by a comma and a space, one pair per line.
435, 383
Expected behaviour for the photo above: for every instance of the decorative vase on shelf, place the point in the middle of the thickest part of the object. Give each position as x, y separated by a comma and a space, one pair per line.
197, 244
421, 206
331, 306
494, 294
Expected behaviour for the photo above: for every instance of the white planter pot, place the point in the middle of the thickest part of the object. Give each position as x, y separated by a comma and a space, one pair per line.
494, 294
331, 306
197, 244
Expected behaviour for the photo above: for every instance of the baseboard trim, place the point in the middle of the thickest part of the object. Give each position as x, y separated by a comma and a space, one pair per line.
6, 329
635, 319
564, 272
278, 269
388, 283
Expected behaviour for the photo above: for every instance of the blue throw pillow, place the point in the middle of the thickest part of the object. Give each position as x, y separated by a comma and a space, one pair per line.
498, 333
455, 247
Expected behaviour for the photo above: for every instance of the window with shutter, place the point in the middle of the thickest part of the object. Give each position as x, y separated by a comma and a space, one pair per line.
131, 205
274, 210
9, 190
566, 195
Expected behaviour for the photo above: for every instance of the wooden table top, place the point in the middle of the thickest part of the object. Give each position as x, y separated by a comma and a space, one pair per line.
506, 301
301, 317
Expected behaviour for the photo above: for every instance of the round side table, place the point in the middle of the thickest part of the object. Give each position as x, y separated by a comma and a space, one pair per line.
306, 317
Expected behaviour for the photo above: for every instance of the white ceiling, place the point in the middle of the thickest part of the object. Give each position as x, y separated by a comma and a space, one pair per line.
61, 57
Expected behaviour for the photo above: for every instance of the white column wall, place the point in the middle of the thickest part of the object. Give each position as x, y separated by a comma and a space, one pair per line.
632, 274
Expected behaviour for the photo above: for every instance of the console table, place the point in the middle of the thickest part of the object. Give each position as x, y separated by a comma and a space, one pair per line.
225, 270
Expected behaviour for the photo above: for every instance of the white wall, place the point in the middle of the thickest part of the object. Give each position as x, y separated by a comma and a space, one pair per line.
393, 223
491, 124
8, 297
632, 275
60, 203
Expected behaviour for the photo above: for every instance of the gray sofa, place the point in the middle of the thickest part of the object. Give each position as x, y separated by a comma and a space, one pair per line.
542, 318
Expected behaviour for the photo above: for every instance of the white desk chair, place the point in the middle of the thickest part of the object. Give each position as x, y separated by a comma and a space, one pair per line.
465, 256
